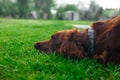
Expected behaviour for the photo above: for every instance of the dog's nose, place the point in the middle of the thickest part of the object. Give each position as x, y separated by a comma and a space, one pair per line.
36, 45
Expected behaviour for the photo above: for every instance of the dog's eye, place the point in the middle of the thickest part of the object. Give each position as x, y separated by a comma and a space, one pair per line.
52, 37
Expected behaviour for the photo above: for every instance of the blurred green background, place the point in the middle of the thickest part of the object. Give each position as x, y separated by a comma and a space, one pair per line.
50, 9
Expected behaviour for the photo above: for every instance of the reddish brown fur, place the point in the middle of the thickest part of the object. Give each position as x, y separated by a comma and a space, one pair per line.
75, 43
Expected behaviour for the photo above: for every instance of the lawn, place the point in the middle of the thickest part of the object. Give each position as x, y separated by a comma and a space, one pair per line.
20, 61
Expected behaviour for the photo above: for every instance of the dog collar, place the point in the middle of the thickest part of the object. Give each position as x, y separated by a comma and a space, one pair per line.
91, 37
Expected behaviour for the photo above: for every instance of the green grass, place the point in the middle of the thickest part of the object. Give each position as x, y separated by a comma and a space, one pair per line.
20, 61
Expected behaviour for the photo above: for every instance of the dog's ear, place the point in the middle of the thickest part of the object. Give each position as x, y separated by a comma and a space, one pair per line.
71, 49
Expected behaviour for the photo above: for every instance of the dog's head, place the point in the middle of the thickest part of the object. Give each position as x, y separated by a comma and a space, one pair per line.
67, 42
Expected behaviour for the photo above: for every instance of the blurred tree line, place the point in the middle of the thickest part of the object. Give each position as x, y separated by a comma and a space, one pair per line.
24, 8
41, 9
94, 11
62, 9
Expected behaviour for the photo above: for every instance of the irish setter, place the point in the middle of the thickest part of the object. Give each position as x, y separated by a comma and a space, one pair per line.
76, 43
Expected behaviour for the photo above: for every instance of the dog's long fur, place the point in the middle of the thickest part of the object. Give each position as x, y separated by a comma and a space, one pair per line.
75, 43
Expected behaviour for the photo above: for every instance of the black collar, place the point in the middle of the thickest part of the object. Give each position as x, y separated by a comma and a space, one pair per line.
90, 51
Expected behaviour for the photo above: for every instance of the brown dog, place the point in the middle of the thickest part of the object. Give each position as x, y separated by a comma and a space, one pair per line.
75, 43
